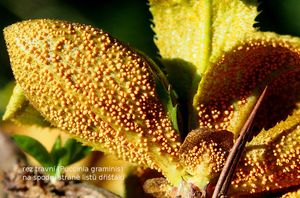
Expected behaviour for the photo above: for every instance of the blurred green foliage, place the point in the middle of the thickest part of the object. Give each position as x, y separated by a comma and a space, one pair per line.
281, 16
128, 20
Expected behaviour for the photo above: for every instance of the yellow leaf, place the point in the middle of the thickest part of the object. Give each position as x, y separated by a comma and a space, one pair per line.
271, 159
96, 88
230, 86
216, 40
193, 33
20, 111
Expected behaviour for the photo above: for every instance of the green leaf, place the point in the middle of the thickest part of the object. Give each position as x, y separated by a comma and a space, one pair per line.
165, 95
180, 76
75, 151
57, 151
35, 149
57, 145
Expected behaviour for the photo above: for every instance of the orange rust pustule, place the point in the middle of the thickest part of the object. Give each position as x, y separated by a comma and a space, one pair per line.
270, 167
93, 86
283, 95
248, 67
204, 145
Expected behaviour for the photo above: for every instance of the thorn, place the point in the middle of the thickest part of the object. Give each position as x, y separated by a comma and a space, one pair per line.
236, 151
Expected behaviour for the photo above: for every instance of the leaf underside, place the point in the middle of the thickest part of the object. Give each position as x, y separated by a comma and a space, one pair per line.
225, 65
99, 90
230, 62
20, 111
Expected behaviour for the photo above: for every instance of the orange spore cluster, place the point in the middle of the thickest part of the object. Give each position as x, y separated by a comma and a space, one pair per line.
95, 87
244, 70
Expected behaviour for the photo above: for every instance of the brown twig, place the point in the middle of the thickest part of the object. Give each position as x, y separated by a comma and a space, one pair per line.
235, 153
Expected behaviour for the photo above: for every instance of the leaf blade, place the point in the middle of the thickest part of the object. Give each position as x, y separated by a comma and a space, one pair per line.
274, 152
35, 149
231, 85
75, 151
109, 102
20, 111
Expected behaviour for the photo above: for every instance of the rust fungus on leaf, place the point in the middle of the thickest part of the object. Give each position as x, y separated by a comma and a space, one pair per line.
108, 96
96, 88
